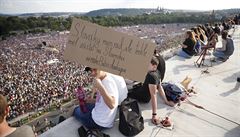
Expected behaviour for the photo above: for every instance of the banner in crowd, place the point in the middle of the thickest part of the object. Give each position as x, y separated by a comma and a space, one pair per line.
108, 50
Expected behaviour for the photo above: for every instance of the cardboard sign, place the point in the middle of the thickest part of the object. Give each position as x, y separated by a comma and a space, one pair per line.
103, 48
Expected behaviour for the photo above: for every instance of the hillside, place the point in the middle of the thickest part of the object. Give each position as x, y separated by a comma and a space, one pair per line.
119, 12
134, 12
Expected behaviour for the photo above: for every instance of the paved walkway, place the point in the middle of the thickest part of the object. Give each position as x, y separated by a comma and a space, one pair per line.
215, 93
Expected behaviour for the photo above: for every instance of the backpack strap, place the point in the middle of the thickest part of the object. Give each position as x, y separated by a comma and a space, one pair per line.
82, 131
96, 133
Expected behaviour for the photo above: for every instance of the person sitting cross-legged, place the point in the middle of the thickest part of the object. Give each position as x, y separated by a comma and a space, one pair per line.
188, 45
227, 48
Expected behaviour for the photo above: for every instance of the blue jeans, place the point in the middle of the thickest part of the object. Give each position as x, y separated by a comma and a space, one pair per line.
86, 118
182, 53
219, 54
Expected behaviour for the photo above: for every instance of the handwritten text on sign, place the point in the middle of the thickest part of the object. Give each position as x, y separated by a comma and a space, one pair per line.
103, 48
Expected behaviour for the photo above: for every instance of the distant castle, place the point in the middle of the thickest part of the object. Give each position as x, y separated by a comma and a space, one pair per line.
159, 10
162, 10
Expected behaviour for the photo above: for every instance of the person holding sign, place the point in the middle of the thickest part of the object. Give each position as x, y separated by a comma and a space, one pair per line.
148, 91
100, 115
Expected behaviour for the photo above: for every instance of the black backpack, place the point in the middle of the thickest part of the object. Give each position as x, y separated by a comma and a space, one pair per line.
130, 118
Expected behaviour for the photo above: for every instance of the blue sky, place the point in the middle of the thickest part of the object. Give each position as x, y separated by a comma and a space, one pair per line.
31, 6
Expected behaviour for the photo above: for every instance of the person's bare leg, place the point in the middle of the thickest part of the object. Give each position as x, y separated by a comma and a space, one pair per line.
186, 82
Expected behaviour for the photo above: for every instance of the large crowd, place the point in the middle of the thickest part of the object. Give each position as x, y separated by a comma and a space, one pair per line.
29, 80
165, 36
34, 74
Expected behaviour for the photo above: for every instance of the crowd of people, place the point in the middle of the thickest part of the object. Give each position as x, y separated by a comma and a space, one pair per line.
203, 37
27, 79
165, 36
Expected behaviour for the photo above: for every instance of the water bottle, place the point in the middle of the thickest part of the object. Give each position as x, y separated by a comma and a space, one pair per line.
81, 95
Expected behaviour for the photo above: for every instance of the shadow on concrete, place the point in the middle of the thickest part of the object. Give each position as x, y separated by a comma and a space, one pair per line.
227, 93
235, 132
214, 63
160, 105
232, 78
193, 115
179, 68
176, 57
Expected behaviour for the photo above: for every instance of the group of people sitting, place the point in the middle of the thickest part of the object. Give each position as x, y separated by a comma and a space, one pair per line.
111, 90
205, 37
103, 109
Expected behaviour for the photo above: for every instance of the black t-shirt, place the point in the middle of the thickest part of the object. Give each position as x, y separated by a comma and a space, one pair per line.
142, 93
161, 66
190, 46
152, 77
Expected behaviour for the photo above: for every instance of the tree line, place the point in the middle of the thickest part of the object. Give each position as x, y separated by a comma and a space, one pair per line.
12, 24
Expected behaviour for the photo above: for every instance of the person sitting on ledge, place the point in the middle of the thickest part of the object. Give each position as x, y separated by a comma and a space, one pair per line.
148, 91
102, 110
187, 50
212, 41
5, 129
227, 48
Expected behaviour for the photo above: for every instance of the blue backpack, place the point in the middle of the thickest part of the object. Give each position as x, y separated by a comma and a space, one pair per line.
173, 92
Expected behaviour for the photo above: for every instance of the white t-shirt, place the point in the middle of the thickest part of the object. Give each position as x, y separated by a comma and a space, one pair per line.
122, 87
101, 113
